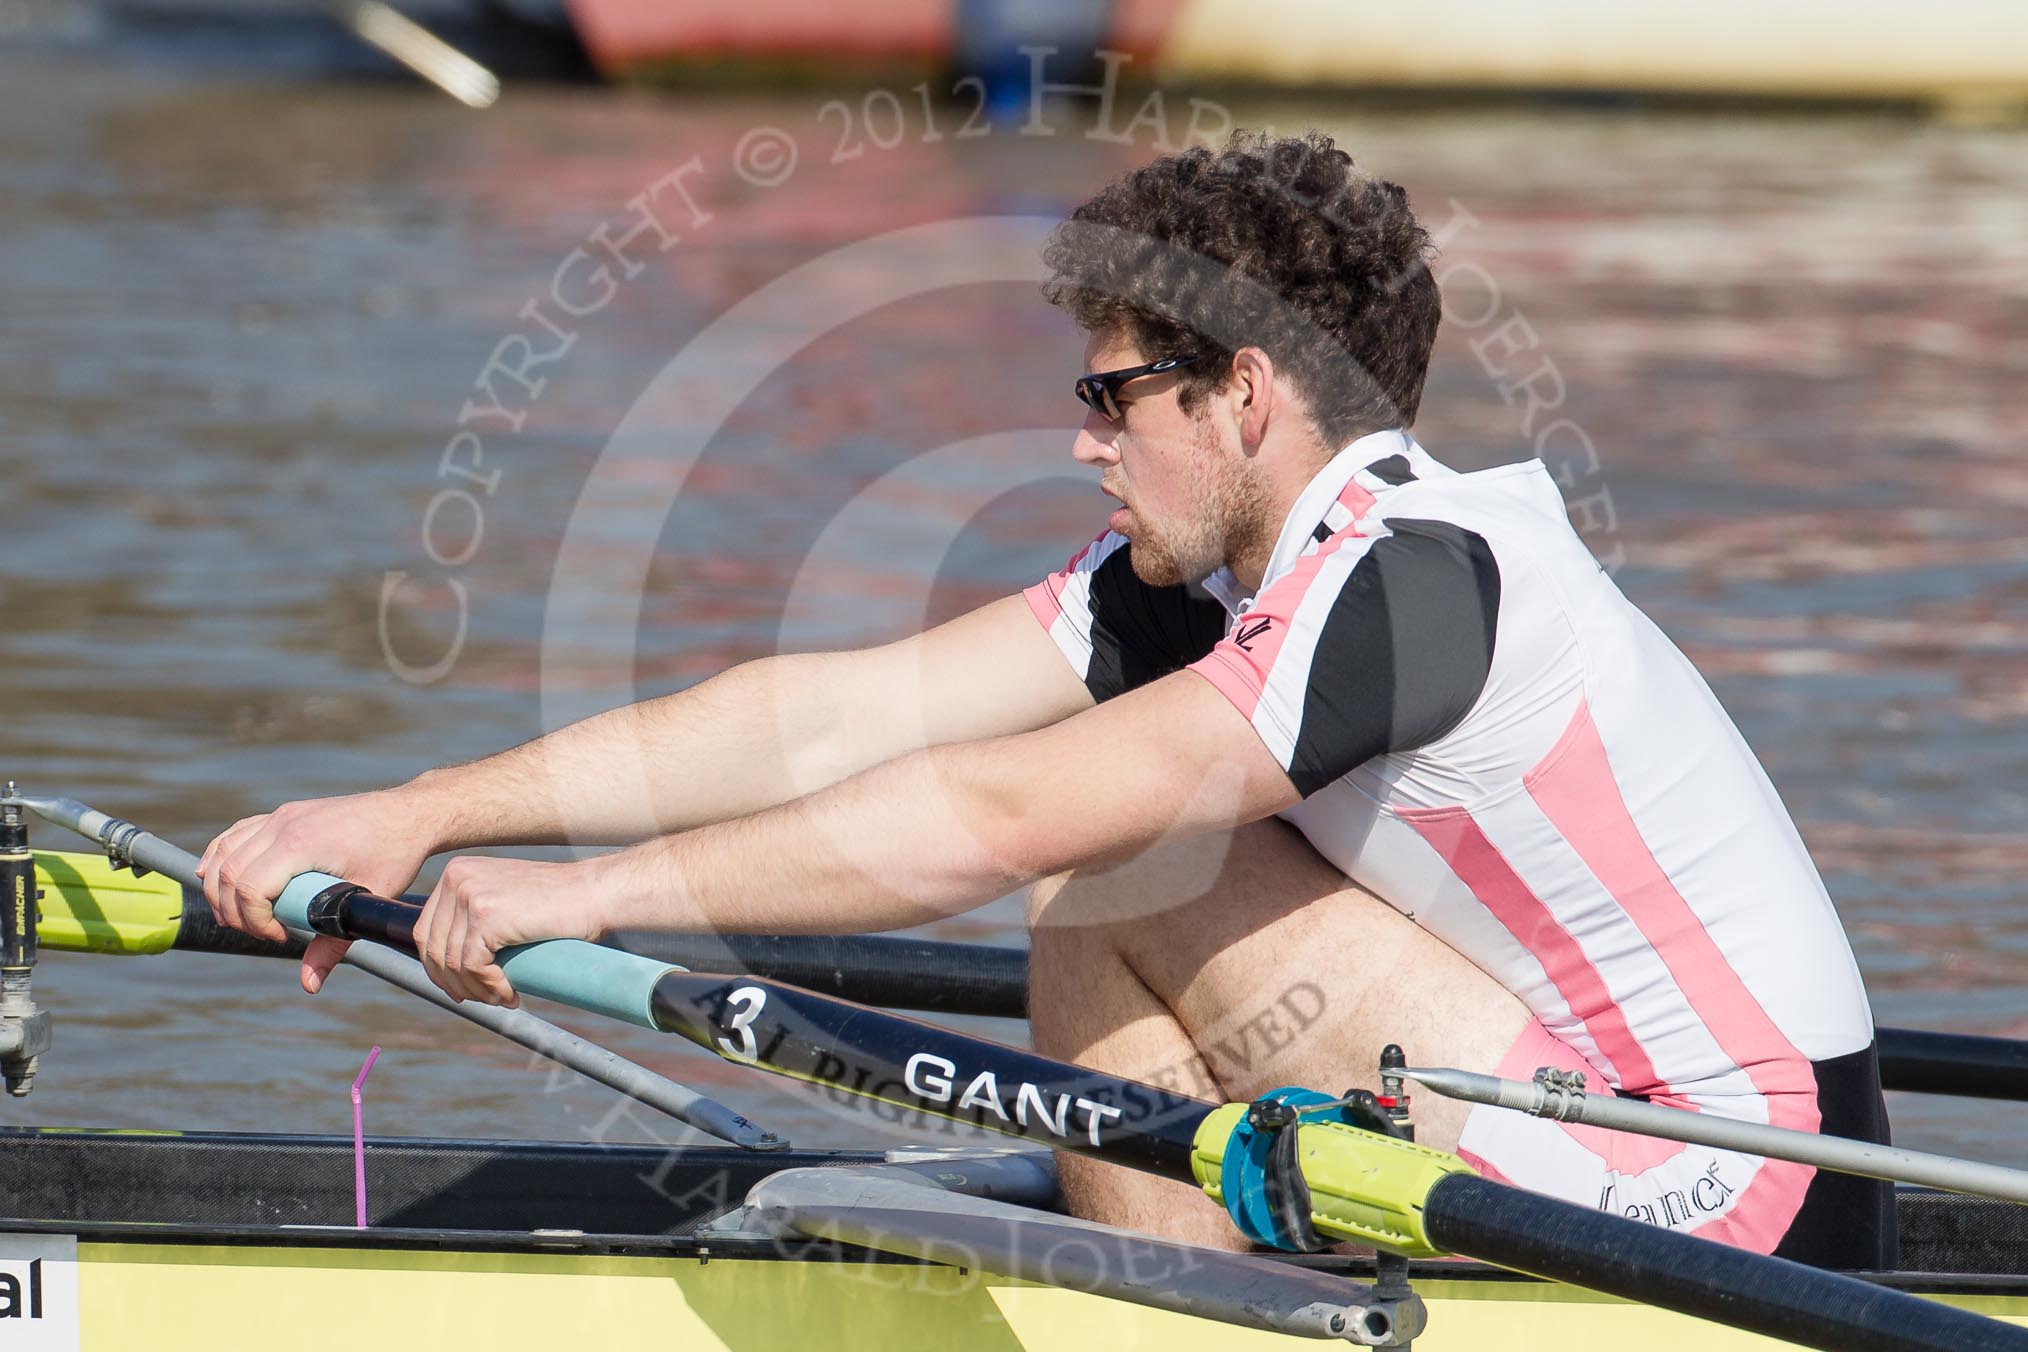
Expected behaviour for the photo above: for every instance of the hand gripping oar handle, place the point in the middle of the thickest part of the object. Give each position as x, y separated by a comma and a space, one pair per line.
584, 976
127, 845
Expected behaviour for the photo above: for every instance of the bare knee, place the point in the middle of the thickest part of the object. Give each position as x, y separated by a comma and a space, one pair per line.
1042, 896
1176, 885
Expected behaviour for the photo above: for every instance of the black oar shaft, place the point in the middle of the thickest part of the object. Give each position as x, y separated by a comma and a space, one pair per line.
199, 933
1804, 1305
872, 1054
897, 971
1953, 1063
940, 977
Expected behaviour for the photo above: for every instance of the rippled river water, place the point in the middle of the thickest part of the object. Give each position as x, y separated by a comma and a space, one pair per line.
240, 324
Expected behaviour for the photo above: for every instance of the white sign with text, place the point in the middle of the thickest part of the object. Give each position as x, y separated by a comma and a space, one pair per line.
38, 1293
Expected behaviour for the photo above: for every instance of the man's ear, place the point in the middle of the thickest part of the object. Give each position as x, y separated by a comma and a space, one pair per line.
1252, 390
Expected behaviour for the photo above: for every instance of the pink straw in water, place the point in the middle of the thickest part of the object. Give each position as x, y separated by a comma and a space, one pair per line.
359, 1140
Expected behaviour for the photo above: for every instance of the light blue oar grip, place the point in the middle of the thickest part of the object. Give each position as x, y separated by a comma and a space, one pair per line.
292, 908
591, 977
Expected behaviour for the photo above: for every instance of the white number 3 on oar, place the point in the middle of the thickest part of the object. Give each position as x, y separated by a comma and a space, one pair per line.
737, 1040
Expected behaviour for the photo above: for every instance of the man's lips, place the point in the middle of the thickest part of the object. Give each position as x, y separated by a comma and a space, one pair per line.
1118, 519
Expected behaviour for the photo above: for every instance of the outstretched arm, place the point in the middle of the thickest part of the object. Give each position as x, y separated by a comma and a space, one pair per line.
761, 734
928, 835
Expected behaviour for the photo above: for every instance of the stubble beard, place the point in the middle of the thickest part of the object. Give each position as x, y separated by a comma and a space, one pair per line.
1230, 519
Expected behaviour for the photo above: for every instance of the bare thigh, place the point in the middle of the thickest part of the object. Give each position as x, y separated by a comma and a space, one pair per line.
1231, 965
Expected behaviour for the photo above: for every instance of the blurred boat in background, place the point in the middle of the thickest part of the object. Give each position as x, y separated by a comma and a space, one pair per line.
1950, 50
1960, 55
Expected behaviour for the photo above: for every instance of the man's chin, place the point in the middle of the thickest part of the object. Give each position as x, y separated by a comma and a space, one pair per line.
1157, 569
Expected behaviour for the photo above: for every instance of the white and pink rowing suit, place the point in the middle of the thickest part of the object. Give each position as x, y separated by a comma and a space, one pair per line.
1492, 739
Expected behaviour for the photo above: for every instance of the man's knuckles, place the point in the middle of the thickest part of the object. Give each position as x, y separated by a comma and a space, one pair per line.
462, 872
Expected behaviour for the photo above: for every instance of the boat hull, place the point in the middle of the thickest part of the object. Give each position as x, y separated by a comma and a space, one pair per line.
197, 1295
224, 1240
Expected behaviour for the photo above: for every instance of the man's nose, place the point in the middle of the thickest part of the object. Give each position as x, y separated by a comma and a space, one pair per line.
1094, 444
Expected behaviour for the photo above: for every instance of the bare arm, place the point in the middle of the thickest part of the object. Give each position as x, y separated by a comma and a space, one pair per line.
927, 835
757, 736
760, 734
952, 827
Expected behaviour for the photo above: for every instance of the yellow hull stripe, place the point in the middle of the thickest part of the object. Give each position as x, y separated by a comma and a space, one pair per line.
197, 1298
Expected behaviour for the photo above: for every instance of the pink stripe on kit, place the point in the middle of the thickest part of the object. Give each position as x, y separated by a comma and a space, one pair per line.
1575, 788
1463, 845
1356, 500
1245, 658
1043, 599
1230, 679
1623, 1152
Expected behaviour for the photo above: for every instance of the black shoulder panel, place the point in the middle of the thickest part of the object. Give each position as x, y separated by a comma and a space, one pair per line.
1393, 470
1404, 652
1141, 633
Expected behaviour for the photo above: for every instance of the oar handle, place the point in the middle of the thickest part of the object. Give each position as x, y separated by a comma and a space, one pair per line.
349, 911
584, 976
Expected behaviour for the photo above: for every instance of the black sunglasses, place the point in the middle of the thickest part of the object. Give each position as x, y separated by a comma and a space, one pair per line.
1101, 390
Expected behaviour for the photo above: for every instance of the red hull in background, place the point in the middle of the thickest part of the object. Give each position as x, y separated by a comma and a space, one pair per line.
625, 35
628, 36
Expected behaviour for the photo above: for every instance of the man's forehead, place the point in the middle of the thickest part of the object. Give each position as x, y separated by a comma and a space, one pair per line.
1109, 353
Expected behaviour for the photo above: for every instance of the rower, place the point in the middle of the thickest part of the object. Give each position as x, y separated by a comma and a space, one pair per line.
1319, 744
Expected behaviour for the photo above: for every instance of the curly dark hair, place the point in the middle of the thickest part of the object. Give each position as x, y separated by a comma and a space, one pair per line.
1274, 242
